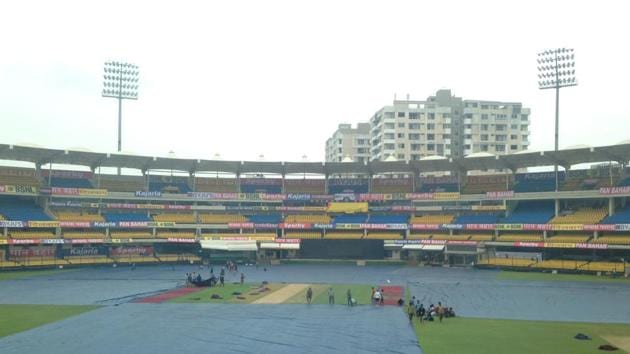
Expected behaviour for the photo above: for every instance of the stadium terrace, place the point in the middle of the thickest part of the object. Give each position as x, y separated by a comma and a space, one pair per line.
436, 211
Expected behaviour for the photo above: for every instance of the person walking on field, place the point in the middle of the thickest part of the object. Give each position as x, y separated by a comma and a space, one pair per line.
242, 278
349, 297
331, 296
410, 312
309, 295
440, 311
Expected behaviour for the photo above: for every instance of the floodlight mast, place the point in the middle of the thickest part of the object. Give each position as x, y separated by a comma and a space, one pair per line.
556, 69
120, 81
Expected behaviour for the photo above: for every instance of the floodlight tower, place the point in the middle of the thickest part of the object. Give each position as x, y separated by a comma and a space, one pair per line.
556, 69
120, 81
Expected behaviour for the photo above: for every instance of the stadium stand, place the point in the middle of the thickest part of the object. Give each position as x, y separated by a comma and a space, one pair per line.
476, 219
182, 257
265, 219
216, 185
507, 262
531, 212
19, 234
350, 219
77, 216
83, 235
387, 219
621, 216
450, 237
77, 260
522, 237
176, 218
432, 219
14, 208
613, 239
347, 185
489, 183
18, 177
177, 234
308, 218
118, 217
311, 186
221, 218
261, 185
120, 183
70, 182
303, 234
392, 185
425, 235
580, 216
131, 234
376, 235
537, 182
481, 237
166, 187
337, 235
570, 238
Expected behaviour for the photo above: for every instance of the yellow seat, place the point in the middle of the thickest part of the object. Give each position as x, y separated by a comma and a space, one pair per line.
383, 236
343, 235
221, 218
176, 218
522, 237
308, 219
78, 216
303, 234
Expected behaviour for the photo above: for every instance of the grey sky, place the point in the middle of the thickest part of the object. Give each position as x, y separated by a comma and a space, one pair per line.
243, 78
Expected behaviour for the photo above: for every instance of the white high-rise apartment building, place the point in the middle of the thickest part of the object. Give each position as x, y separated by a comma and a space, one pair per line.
349, 143
446, 125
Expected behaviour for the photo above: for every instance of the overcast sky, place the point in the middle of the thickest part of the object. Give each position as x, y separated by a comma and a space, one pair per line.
244, 78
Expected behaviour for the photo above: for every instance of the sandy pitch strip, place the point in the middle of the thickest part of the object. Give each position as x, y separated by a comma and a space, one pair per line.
282, 295
619, 342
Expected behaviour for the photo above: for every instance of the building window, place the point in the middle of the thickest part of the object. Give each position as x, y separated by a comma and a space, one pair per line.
401, 125
446, 126
414, 136
524, 137
500, 148
431, 147
513, 137
401, 135
389, 114
523, 117
390, 125
430, 126
446, 136
414, 125
513, 147
401, 114
467, 146
415, 147
389, 136
401, 146
415, 157
484, 137
389, 146
501, 137
467, 136
514, 126
484, 147
484, 106
484, 127
431, 115
523, 128
414, 115
430, 136
401, 156
500, 127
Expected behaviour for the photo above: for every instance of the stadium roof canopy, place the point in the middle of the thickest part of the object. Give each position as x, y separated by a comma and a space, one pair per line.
566, 158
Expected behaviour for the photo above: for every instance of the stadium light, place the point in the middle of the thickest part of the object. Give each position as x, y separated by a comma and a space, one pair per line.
556, 69
120, 81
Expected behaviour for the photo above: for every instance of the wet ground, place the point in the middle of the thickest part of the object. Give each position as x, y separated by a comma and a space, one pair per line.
167, 328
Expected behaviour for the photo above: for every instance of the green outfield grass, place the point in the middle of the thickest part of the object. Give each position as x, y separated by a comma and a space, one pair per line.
537, 276
18, 318
21, 274
481, 336
246, 289
361, 293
